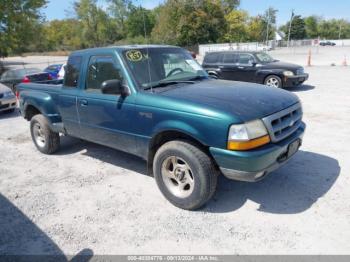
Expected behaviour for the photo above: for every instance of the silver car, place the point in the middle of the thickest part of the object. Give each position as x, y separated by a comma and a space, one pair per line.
8, 101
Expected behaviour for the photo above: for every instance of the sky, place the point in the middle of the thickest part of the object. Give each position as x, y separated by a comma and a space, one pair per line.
59, 9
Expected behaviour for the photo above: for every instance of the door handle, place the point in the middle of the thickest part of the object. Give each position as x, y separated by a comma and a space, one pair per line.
83, 102
241, 67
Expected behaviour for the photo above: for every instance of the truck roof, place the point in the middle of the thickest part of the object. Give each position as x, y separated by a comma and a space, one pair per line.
121, 47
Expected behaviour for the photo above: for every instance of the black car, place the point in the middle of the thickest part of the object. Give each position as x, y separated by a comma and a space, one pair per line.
15, 76
257, 67
327, 43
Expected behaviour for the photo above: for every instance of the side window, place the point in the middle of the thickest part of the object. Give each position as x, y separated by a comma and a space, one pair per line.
211, 58
246, 59
100, 69
72, 71
230, 58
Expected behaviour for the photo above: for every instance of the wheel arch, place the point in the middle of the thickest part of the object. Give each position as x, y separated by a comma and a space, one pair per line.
165, 136
30, 111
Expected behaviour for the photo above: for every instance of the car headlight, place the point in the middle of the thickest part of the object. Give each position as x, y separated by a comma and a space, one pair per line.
288, 73
247, 136
8, 94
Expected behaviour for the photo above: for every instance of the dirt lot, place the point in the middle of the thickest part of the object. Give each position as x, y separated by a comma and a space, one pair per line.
91, 197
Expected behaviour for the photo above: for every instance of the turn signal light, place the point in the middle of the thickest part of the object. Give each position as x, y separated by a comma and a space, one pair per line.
250, 144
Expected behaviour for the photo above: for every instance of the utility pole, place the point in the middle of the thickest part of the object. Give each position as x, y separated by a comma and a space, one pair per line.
267, 27
290, 27
340, 28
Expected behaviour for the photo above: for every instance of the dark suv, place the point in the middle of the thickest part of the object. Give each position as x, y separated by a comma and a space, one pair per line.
257, 67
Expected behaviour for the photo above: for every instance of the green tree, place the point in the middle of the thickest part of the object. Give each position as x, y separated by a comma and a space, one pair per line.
63, 34
330, 29
297, 30
229, 5
97, 27
140, 22
237, 26
190, 22
268, 24
311, 26
120, 10
255, 29
19, 20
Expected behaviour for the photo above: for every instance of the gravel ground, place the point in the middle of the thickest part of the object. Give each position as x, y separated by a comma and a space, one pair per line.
89, 197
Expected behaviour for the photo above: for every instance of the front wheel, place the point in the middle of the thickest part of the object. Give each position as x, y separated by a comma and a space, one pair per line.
273, 81
45, 140
184, 174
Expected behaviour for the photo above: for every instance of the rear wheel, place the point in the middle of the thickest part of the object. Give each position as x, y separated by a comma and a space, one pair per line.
273, 81
184, 174
45, 140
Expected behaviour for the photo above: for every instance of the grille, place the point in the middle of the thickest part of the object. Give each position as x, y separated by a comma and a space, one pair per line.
284, 123
300, 71
4, 106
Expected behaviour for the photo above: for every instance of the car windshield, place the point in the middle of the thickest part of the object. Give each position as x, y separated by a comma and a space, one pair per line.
265, 58
151, 66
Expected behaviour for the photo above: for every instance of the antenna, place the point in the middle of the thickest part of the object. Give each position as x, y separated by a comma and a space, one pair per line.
147, 48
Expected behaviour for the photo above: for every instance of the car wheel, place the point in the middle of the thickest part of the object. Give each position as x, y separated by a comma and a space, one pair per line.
273, 81
185, 174
45, 140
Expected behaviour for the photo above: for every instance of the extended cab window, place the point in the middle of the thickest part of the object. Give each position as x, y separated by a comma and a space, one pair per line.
102, 68
72, 71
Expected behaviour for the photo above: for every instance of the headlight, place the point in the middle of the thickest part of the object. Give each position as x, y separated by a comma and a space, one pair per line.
288, 73
8, 94
247, 136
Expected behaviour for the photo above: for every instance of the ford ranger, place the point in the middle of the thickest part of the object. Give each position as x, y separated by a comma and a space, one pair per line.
157, 102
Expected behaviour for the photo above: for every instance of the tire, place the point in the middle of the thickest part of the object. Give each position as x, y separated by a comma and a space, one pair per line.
185, 174
273, 81
45, 140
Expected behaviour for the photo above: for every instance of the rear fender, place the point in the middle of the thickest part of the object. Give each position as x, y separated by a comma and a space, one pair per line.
41, 101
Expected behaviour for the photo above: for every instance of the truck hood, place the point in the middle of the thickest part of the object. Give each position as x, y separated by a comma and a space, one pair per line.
245, 101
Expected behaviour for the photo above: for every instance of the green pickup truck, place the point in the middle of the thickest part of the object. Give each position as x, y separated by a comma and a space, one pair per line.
157, 102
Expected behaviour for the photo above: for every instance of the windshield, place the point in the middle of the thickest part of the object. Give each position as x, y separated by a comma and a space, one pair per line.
265, 58
153, 65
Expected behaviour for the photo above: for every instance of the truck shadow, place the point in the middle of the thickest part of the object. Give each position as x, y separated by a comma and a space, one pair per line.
70, 145
292, 189
22, 240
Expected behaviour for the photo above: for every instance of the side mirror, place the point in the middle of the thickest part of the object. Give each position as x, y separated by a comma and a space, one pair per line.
114, 87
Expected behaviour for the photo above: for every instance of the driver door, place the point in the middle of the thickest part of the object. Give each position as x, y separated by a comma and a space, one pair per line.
246, 68
106, 118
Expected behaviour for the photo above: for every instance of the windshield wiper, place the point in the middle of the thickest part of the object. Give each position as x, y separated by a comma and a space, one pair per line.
168, 83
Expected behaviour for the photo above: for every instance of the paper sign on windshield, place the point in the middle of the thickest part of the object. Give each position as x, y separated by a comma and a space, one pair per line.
134, 55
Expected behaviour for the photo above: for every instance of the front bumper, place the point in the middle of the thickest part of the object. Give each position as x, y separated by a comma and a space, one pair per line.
254, 165
8, 103
290, 81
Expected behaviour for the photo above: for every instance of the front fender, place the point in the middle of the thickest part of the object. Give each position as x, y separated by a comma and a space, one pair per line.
263, 73
179, 126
